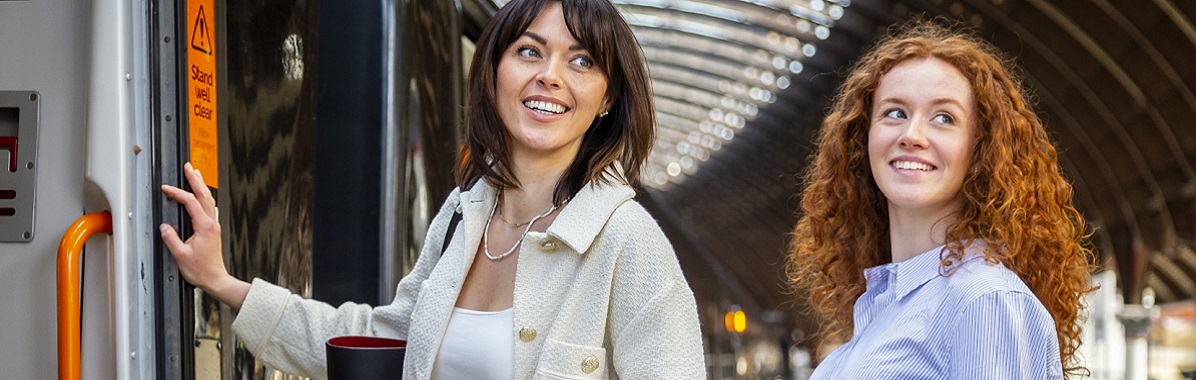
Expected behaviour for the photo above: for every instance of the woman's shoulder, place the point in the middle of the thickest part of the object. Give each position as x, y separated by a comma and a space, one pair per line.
444, 216
976, 278
632, 211
631, 219
449, 205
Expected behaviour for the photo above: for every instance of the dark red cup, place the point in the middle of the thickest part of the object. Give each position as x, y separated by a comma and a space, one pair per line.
365, 358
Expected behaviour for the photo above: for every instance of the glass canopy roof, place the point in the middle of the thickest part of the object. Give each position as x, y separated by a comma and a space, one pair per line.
716, 66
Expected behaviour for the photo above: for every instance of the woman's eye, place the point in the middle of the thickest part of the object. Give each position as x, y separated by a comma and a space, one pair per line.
583, 62
943, 118
895, 113
527, 51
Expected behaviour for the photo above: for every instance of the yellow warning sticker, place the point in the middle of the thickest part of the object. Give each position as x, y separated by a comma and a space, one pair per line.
201, 89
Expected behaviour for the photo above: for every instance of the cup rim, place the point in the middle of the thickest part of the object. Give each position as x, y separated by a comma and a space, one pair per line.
366, 342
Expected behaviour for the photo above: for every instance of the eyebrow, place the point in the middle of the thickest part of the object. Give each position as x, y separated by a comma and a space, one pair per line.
937, 101
542, 41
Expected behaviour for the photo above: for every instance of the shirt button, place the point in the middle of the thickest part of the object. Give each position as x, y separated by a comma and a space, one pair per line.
548, 246
589, 364
527, 334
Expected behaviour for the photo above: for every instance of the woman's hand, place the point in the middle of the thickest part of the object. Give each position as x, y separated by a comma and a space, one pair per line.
200, 259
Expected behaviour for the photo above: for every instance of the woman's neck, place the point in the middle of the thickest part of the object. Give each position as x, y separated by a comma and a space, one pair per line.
912, 232
538, 178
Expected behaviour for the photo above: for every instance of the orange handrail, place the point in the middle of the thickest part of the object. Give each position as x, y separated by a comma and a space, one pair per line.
70, 261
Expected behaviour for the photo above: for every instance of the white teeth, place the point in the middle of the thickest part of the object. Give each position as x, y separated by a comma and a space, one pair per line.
909, 165
544, 106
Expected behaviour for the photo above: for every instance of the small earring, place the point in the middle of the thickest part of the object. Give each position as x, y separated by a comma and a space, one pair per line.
603, 114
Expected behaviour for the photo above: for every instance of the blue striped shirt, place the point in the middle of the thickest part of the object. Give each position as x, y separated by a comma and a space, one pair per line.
980, 322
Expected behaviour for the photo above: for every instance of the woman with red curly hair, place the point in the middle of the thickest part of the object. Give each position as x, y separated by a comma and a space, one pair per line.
937, 231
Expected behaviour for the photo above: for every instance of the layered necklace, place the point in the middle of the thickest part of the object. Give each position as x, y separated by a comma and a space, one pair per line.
527, 227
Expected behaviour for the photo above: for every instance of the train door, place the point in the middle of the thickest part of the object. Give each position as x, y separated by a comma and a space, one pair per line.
73, 132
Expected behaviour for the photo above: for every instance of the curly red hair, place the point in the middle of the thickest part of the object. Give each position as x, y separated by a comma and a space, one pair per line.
1015, 197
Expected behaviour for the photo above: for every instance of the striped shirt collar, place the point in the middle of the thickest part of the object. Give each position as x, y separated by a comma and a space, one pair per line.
906, 276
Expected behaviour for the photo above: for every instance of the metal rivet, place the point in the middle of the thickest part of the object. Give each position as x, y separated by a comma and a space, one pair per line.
130, 216
33, 97
173, 358
27, 235
28, 165
128, 76
133, 355
168, 117
167, 39
170, 278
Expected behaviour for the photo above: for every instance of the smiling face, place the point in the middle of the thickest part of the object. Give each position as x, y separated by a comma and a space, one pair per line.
920, 136
549, 90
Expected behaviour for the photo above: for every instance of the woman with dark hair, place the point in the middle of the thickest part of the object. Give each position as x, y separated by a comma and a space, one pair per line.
935, 206
551, 269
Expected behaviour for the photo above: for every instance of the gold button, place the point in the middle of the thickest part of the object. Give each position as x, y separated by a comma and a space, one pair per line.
589, 364
548, 246
527, 334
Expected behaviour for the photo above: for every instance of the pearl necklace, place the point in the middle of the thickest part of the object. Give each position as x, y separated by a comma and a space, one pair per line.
486, 232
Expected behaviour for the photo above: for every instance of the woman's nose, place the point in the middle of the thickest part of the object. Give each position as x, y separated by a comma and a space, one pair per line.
914, 135
550, 75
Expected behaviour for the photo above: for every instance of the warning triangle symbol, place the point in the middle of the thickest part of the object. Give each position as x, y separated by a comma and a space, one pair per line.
201, 38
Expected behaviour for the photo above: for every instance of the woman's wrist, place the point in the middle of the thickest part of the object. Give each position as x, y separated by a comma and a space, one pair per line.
229, 290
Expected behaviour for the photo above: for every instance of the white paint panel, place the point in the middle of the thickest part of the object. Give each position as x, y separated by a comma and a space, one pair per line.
45, 49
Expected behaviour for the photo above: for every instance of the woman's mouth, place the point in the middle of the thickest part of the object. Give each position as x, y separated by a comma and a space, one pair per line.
545, 107
911, 165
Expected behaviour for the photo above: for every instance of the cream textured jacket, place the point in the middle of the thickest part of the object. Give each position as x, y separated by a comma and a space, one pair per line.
601, 286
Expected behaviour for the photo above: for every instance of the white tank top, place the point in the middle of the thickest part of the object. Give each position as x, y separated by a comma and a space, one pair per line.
477, 345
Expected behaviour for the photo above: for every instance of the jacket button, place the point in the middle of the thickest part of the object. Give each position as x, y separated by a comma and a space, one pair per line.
589, 364
527, 334
548, 246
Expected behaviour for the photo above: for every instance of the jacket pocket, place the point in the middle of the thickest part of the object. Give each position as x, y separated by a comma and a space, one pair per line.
560, 360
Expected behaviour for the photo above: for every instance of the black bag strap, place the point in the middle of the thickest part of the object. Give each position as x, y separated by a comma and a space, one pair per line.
448, 235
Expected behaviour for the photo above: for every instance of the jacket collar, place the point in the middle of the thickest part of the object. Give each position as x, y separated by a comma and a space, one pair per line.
584, 217
579, 222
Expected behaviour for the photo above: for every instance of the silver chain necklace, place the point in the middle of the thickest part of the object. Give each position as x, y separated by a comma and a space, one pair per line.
486, 232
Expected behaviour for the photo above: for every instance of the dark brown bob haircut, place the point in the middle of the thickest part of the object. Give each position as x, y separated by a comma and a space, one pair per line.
616, 145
